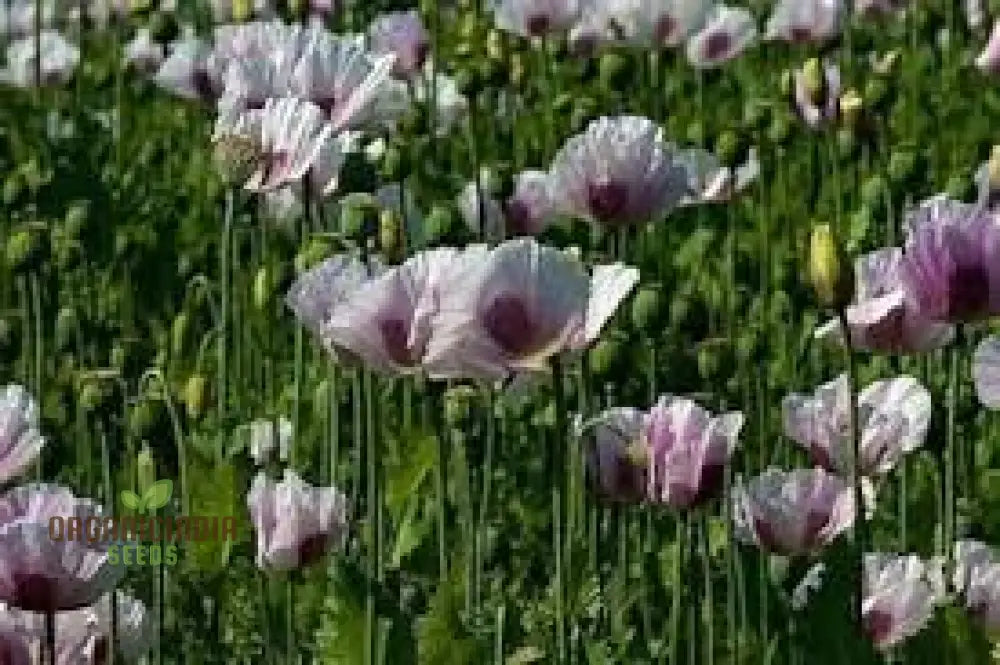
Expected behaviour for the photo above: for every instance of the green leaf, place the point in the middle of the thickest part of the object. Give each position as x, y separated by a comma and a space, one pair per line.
158, 494
130, 499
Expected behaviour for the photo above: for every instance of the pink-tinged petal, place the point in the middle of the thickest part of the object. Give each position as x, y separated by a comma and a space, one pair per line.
900, 596
617, 460
728, 31
386, 322
989, 60
530, 208
610, 285
296, 523
536, 18
792, 513
803, 21
403, 35
316, 292
21, 442
986, 372
190, 72
482, 214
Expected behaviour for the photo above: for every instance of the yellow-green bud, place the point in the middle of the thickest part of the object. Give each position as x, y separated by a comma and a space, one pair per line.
458, 405
146, 469
242, 10
851, 107
814, 79
494, 45
179, 334
993, 168
390, 234
196, 395
830, 272
263, 288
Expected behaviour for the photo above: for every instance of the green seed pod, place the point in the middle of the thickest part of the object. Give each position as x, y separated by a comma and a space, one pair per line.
13, 187
830, 272
67, 321
852, 108
616, 72
26, 250
902, 165
847, 142
876, 92
814, 80
728, 148
647, 309
468, 82
696, 133
440, 223
395, 164
495, 44
756, 114
874, 190
517, 69
263, 288
242, 10
959, 186
458, 406
390, 235
359, 215
314, 251
163, 27
145, 469
145, 419
605, 355
196, 396
76, 219
780, 129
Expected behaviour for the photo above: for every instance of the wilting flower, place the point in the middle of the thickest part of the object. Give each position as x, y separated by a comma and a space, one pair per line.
795, 512
675, 454
296, 523
977, 580
83, 635
989, 60
801, 21
268, 435
536, 18
291, 137
191, 71
900, 595
59, 60
314, 294
710, 182
402, 34
386, 322
659, 22
354, 88
893, 419
817, 93
728, 31
951, 261
619, 171
530, 208
20, 440
517, 307
144, 54
882, 318
42, 572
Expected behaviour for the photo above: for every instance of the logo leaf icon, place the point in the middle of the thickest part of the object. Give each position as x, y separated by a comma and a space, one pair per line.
158, 494
130, 499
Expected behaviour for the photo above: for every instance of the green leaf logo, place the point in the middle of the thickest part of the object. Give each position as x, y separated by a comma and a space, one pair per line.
130, 500
158, 495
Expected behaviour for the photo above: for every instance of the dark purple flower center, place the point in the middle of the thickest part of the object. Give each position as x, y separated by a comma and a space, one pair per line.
663, 31
889, 334
607, 200
518, 217
36, 593
769, 540
799, 34
509, 324
878, 625
717, 45
101, 649
313, 548
395, 336
710, 483
275, 165
538, 24
421, 52
821, 457
968, 292
202, 83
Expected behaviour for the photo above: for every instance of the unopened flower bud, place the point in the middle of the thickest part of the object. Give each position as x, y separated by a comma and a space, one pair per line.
993, 168
196, 396
27, 248
242, 10
830, 272
146, 469
814, 79
647, 308
390, 234
851, 107
359, 215
458, 405
66, 327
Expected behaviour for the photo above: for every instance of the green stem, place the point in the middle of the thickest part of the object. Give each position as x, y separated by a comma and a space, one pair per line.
558, 474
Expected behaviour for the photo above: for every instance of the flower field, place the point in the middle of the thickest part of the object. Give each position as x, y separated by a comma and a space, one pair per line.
527, 331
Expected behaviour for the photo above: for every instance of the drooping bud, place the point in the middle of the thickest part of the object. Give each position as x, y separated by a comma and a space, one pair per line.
235, 158
146, 469
830, 272
851, 107
814, 79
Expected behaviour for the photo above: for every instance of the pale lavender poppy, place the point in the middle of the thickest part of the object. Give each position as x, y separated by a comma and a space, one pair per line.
951, 260
881, 317
975, 13
82, 636
793, 513
46, 570
143, 54
291, 137
977, 580
900, 596
804, 21
317, 292
989, 60
659, 23
710, 182
879, 7
21, 442
270, 435
530, 208
258, 39
986, 371
353, 87
296, 523
619, 171
893, 419
517, 307
402, 34
618, 459
536, 18
191, 71
59, 59
817, 102
386, 322
728, 32
688, 450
